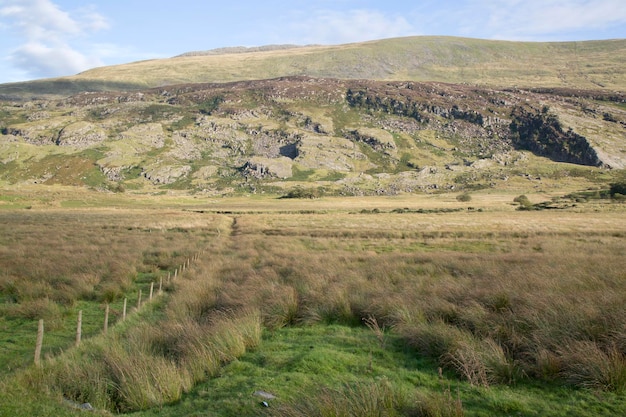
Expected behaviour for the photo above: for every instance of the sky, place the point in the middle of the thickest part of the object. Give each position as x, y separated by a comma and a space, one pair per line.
49, 38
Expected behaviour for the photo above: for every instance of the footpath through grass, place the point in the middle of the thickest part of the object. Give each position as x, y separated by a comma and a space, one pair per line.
298, 364
332, 313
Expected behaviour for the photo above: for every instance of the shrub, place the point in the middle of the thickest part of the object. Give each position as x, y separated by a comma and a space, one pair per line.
617, 188
465, 197
523, 201
210, 105
299, 192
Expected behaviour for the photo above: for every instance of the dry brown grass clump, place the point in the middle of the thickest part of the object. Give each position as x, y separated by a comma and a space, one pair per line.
68, 256
494, 310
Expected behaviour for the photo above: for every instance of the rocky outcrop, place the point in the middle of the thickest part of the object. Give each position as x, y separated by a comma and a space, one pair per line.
378, 140
35, 133
260, 167
112, 173
81, 135
150, 135
242, 134
273, 144
165, 173
540, 132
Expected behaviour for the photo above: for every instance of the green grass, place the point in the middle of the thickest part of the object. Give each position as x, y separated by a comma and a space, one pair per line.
296, 364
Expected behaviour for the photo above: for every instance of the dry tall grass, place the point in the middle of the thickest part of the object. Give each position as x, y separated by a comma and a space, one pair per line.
68, 256
495, 310
150, 365
496, 305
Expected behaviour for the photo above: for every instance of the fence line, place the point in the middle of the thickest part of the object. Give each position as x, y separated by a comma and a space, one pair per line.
39, 343
79, 323
79, 327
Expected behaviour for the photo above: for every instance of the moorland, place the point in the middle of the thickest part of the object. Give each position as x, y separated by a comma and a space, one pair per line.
408, 227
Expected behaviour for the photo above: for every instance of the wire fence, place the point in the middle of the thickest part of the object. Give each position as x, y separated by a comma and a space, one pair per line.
154, 292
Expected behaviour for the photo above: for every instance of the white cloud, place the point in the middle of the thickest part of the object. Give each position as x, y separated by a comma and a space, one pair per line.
541, 19
37, 58
334, 27
48, 35
92, 20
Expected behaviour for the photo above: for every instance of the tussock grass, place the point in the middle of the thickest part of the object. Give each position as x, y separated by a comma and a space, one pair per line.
586, 365
362, 399
544, 301
438, 404
494, 317
482, 363
141, 380
150, 366
57, 262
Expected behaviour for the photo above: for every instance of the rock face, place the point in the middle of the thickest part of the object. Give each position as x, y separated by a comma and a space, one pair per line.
379, 140
166, 174
81, 134
149, 135
541, 133
261, 167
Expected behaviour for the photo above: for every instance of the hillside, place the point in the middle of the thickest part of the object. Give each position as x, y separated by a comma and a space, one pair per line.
585, 65
337, 137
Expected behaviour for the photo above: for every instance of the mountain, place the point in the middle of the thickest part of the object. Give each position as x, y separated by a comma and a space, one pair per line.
518, 116
586, 65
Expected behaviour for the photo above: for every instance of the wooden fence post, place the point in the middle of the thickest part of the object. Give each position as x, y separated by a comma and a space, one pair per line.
139, 301
160, 285
106, 318
79, 327
124, 310
151, 290
39, 343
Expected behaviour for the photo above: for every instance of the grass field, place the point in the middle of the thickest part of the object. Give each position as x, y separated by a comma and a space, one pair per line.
416, 305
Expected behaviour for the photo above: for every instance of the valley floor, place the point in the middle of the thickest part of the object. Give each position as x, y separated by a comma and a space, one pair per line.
414, 305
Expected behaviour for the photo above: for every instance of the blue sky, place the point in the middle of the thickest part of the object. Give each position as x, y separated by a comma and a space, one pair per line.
47, 38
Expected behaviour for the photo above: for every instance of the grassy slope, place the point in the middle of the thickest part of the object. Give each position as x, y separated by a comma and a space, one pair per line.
325, 157
592, 64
